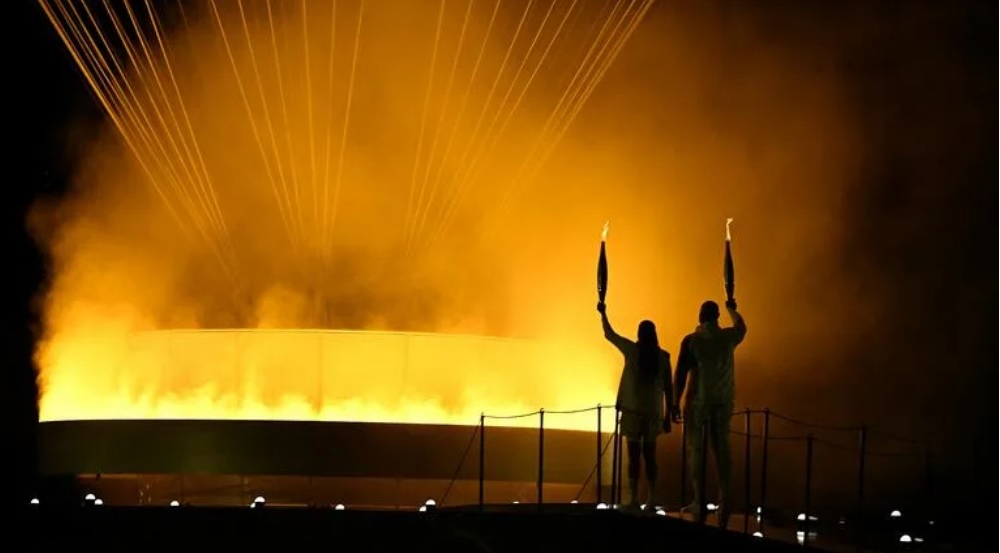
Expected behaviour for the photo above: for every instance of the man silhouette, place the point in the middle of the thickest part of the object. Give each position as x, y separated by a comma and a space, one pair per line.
707, 355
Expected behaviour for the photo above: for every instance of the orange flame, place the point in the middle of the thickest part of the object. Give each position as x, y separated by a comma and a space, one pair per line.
318, 375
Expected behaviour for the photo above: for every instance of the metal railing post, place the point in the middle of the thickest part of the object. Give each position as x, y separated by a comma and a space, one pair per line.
482, 461
600, 457
684, 481
862, 453
746, 471
808, 494
541, 454
765, 437
614, 461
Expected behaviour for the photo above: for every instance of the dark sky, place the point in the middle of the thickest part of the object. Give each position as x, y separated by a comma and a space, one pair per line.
924, 74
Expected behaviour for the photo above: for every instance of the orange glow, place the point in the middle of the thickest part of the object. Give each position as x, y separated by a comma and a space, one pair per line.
320, 375
604, 231
398, 170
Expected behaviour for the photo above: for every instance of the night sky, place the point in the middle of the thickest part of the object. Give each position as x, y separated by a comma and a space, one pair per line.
920, 233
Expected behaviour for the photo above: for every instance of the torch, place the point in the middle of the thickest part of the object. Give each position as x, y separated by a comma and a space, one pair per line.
602, 267
729, 274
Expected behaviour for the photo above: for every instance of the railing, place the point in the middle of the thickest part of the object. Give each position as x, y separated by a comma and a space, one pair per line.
809, 440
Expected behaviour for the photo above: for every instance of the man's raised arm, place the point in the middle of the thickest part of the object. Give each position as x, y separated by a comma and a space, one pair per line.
739, 329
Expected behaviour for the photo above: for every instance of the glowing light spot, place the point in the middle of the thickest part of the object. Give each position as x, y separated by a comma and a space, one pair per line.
339, 507
602, 506
89, 497
175, 503
711, 507
758, 534
905, 538
98, 502
661, 512
430, 503
34, 501
895, 514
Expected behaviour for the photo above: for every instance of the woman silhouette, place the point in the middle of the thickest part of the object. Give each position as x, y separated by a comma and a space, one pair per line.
645, 383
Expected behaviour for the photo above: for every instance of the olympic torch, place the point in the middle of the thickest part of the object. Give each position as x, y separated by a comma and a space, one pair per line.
602, 267
729, 274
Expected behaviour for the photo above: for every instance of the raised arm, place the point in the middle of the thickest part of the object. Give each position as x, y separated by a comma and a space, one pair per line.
738, 331
618, 340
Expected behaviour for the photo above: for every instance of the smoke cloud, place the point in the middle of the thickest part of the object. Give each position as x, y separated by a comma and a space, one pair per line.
700, 118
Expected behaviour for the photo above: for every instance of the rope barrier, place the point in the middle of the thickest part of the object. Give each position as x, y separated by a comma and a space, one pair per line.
895, 437
574, 411
594, 468
815, 425
461, 463
888, 454
780, 416
769, 437
839, 447
510, 417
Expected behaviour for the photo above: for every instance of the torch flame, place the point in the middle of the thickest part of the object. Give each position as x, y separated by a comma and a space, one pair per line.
729, 236
604, 233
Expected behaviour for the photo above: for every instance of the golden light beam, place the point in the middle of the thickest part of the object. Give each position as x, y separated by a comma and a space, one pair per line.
410, 222
295, 201
447, 97
347, 115
268, 169
286, 197
106, 104
469, 179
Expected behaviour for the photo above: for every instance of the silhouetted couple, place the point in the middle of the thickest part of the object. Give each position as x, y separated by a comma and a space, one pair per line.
649, 398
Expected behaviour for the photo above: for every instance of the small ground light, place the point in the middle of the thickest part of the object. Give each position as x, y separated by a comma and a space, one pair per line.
905, 538
661, 512
758, 534
515, 502
602, 506
802, 517
918, 540
430, 503
759, 510
643, 507
895, 514
98, 502
34, 501
175, 503
574, 502
258, 499
423, 509
339, 507
711, 506
89, 497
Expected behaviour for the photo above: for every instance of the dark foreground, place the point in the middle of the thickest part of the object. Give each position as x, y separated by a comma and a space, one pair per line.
300, 529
